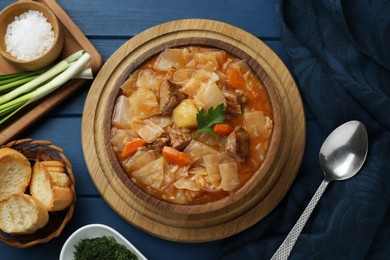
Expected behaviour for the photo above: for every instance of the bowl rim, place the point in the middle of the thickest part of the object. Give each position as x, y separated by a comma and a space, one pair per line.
247, 188
21, 7
102, 229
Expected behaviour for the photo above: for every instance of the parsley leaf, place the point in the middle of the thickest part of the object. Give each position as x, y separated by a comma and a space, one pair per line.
206, 121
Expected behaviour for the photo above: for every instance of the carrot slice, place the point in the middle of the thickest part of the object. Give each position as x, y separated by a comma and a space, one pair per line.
132, 146
174, 156
222, 129
236, 79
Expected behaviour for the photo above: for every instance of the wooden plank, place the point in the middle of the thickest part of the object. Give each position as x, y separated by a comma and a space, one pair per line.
132, 17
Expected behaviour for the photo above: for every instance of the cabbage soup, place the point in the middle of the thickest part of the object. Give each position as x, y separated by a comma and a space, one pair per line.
192, 125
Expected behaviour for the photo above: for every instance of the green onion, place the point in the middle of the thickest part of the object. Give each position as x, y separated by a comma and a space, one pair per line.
12, 77
12, 83
42, 84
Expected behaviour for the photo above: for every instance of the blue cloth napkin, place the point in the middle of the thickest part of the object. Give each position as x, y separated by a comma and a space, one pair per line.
340, 51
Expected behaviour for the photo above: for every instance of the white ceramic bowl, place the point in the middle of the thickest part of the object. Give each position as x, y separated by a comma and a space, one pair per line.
91, 231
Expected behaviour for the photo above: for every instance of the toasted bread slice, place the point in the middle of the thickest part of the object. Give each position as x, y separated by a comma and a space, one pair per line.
60, 179
22, 214
47, 190
15, 172
54, 166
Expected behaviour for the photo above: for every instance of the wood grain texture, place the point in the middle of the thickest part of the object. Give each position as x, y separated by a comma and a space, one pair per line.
74, 41
192, 227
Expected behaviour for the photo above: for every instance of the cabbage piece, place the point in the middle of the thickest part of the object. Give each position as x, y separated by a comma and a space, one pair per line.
146, 129
229, 176
149, 79
144, 103
172, 59
199, 176
169, 178
161, 121
199, 79
192, 86
257, 124
241, 66
196, 150
209, 95
129, 86
186, 183
206, 60
151, 175
138, 160
206, 75
211, 162
181, 172
220, 56
120, 137
181, 76
195, 181
122, 113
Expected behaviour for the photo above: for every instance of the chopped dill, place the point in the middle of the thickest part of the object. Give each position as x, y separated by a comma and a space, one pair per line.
100, 248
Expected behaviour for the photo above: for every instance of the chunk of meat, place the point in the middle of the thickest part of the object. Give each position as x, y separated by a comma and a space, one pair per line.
180, 137
170, 97
159, 143
233, 102
240, 96
237, 143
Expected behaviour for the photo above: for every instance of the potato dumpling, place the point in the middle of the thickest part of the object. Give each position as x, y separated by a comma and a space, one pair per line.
184, 115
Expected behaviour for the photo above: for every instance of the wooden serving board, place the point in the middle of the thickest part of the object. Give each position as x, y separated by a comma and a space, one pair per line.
74, 40
192, 226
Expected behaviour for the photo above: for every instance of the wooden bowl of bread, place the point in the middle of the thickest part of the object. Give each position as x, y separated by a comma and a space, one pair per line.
37, 192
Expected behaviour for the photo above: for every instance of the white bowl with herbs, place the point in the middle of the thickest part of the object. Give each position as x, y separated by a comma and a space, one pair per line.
97, 241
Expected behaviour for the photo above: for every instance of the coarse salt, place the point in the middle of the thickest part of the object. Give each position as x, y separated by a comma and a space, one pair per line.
29, 36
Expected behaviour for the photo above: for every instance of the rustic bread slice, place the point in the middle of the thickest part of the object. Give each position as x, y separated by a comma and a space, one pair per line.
44, 189
54, 166
22, 214
60, 179
15, 172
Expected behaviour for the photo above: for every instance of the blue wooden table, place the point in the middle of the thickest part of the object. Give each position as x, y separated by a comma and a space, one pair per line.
108, 24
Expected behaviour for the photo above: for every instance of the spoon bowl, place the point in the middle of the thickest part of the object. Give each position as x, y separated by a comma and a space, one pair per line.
341, 157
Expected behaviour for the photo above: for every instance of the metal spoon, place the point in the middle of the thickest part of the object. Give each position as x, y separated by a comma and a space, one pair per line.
341, 156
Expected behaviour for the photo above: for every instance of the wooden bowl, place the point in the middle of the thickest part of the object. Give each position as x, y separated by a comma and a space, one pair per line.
251, 187
42, 150
8, 15
215, 220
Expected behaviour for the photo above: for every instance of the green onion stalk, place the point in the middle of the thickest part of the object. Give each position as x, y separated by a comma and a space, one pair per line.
32, 86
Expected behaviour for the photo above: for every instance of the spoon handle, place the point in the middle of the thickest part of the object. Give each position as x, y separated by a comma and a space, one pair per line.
285, 248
